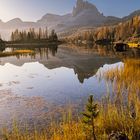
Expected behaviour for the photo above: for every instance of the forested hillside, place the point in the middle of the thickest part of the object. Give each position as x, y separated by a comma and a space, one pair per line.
32, 35
124, 31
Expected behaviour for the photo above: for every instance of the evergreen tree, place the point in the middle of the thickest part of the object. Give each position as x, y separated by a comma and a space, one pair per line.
46, 33
90, 115
53, 36
40, 34
32, 35
12, 37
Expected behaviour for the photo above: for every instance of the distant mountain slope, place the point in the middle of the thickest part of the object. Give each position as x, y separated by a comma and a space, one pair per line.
135, 13
110, 20
84, 14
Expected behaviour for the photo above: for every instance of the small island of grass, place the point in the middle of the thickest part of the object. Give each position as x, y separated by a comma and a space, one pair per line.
16, 52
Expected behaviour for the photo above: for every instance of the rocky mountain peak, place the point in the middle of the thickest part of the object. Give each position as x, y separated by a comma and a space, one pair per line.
83, 5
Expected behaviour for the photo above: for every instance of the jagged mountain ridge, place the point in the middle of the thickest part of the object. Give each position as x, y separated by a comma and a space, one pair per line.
84, 14
84, 5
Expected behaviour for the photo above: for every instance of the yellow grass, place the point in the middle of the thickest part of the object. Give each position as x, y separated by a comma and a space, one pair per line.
16, 52
24, 51
134, 45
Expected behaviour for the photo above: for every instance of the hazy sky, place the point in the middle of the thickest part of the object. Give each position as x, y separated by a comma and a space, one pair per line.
32, 10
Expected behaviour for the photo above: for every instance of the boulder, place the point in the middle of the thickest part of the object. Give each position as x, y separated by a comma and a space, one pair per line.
118, 136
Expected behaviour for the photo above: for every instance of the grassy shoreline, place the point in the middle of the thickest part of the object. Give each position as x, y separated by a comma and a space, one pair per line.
16, 52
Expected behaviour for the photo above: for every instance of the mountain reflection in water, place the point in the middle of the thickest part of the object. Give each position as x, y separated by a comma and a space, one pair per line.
30, 91
84, 61
31, 83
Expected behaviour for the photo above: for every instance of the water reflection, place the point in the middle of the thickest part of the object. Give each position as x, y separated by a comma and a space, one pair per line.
42, 52
84, 61
31, 91
109, 50
31, 83
34, 79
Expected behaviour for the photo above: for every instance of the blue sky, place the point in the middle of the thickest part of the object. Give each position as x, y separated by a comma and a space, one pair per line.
32, 10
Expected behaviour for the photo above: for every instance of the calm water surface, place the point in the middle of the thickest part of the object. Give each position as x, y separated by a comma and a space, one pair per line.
33, 84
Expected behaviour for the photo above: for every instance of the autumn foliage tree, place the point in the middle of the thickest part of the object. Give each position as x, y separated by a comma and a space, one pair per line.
124, 31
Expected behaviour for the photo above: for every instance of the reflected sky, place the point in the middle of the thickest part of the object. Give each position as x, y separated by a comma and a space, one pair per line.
31, 91
58, 85
29, 85
84, 61
55, 85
